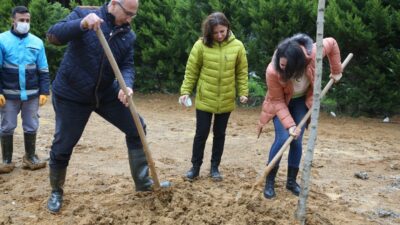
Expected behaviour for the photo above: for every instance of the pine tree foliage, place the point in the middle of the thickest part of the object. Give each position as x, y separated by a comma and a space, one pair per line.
270, 22
368, 29
167, 29
5, 14
21, 2
40, 9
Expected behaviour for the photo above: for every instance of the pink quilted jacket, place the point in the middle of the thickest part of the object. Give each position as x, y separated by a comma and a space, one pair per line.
280, 92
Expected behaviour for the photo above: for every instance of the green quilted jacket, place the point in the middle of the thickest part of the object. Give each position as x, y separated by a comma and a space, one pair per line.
220, 74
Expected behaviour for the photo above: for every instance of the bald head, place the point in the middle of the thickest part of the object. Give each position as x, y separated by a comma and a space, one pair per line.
123, 10
123, 1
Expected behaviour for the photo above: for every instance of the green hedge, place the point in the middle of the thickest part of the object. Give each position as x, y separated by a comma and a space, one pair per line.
167, 29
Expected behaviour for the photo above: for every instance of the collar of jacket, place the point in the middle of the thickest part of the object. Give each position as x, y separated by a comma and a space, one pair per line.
110, 18
224, 43
18, 34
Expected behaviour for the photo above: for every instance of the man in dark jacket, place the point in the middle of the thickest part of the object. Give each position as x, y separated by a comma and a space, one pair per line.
85, 83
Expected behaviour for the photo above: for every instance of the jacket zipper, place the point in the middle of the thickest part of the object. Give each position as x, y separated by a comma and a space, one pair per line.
112, 34
219, 78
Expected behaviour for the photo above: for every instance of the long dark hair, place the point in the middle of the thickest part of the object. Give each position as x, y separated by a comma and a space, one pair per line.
213, 20
296, 60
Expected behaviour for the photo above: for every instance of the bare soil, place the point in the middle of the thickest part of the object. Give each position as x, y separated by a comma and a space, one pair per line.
100, 190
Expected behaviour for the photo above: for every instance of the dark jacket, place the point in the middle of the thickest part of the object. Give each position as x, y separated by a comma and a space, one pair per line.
85, 73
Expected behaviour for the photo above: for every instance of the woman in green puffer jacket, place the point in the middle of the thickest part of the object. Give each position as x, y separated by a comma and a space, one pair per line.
217, 66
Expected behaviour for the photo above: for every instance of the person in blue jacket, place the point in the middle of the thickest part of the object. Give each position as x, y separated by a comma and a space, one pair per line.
24, 86
85, 83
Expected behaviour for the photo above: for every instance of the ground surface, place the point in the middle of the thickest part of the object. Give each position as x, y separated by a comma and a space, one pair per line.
99, 189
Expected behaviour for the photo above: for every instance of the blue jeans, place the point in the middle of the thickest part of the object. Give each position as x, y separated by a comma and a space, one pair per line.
71, 119
298, 109
29, 114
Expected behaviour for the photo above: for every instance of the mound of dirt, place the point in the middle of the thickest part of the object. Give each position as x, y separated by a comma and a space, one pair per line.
99, 189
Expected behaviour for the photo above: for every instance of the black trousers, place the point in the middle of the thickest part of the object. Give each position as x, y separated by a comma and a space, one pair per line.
71, 119
203, 124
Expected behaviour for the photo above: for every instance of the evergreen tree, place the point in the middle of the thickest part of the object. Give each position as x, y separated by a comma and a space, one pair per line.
5, 14
40, 9
94, 2
167, 29
369, 30
166, 32
271, 21
21, 2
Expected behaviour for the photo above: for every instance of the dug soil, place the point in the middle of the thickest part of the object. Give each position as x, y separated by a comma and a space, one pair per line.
355, 173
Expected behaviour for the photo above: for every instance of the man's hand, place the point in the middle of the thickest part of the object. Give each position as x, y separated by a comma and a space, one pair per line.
42, 100
243, 99
2, 100
91, 22
124, 98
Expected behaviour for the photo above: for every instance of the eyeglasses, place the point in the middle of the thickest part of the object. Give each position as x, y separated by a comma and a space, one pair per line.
127, 12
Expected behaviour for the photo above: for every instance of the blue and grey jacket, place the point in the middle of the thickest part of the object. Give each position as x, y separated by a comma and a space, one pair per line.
85, 74
24, 73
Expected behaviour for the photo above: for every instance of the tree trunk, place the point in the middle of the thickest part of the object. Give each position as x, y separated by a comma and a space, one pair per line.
306, 174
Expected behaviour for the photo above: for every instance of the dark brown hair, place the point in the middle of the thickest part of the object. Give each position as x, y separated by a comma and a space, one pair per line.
213, 20
296, 60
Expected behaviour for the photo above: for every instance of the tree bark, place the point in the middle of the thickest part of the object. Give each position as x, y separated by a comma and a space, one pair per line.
306, 174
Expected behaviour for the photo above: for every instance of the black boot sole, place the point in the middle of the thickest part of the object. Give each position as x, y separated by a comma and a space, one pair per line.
216, 179
190, 179
52, 212
293, 192
269, 197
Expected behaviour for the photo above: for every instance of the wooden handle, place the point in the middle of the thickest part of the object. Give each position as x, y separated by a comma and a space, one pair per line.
132, 107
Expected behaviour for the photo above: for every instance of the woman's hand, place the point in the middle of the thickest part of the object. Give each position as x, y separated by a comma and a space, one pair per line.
293, 131
259, 130
243, 99
183, 100
336, 77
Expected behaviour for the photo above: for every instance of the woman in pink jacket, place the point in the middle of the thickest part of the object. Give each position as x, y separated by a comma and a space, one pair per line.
290, 80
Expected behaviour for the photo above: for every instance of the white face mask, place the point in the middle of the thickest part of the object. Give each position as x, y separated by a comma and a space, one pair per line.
22, 27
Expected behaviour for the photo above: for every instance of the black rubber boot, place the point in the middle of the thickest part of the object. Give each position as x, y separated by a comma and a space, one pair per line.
291, 184
214, 173
57, 179
140, 170
193, 173
7, 148
30, 159
7, 151
269, 190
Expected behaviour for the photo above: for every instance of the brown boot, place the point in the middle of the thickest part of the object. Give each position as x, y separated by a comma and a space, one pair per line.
7, 150
30, 160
